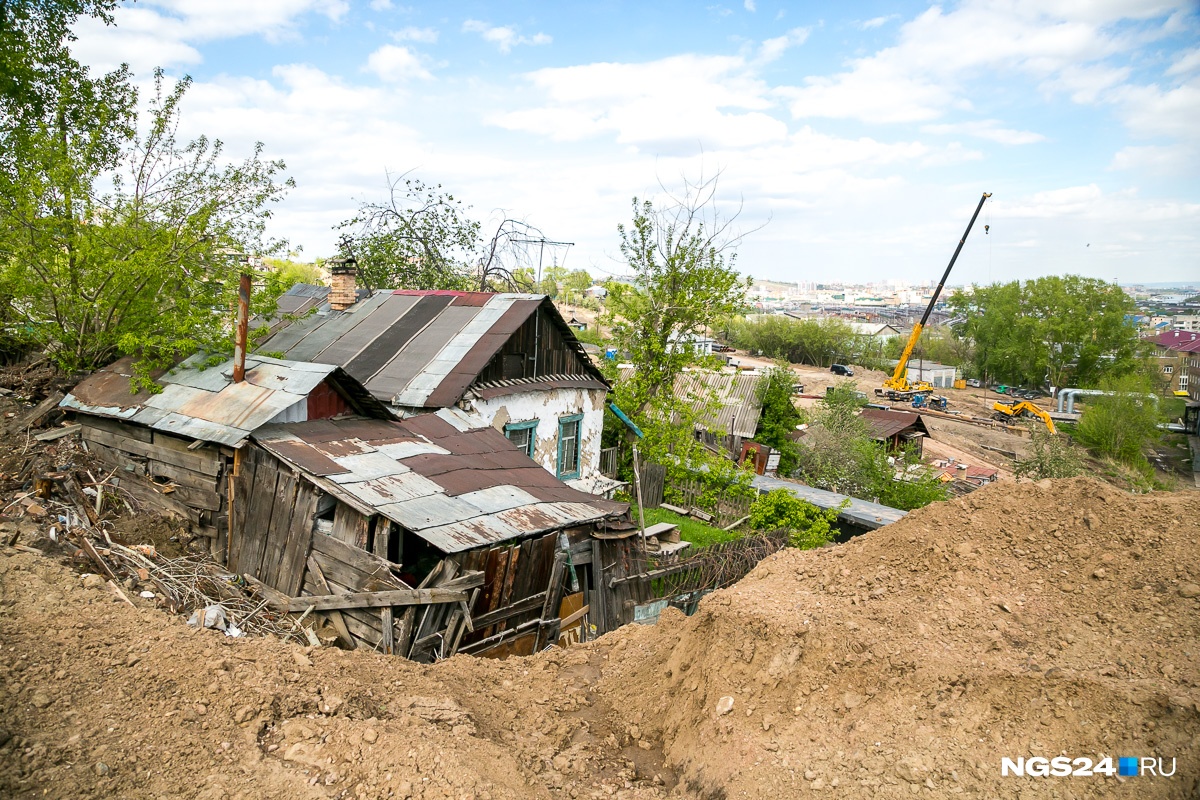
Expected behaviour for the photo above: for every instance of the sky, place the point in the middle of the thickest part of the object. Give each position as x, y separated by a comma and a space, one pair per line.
850, 142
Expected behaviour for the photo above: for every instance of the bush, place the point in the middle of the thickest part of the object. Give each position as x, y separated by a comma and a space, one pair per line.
1120, 426
1050, 456
809, 527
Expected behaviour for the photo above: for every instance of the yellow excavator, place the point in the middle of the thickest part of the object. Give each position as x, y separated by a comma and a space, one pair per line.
1022, 409
898, 386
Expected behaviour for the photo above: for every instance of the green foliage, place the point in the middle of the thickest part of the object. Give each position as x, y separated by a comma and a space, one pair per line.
285, 273
779, 416
819, 341
683, 280
939, 344
1050, 456
839, 455
1120, 426
700, 534
809, 526
117, 242
1069, 330
421, 238
576, 283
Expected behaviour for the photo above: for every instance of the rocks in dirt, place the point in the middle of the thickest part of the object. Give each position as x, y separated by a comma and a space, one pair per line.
1189, 590
93, 581
301, 659
724, 705
40, 699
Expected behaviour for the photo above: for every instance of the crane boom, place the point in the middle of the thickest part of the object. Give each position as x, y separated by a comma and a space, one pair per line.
899, 383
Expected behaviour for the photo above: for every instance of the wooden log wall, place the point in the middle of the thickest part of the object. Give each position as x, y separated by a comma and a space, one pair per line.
166, 474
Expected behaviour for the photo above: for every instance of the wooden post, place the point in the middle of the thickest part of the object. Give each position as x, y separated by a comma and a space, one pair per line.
385, 618
242, 330
553, 598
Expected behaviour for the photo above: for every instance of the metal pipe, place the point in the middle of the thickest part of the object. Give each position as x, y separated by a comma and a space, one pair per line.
1069, 396
242, 331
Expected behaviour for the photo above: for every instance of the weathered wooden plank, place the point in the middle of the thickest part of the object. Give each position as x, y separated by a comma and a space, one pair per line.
317, 578
362, 532
128, 429
278, 527
553, 596
520, 607
181, 475
260, 500
383, 535
343, 523
208, 464
386, 624
275, 598
241, 486
299, 540
176, 443
205, 499
147, 493
369, 566
395, 597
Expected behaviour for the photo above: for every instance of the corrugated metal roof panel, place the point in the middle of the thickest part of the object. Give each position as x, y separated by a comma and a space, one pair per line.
402, 450
424, 384
366, 466
459, 501
410, 364
363, 338
328, 329
736, 395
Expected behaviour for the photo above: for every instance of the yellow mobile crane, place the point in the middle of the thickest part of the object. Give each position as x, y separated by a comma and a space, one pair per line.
898, 387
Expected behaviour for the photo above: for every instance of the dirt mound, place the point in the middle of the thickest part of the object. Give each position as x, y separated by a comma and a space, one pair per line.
1045, 620
1021, 620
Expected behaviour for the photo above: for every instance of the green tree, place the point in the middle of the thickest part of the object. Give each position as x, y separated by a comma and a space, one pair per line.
1122, 424
819, 341
682, 260
117, 242
1067, 330
779, 416
576, 283
838, 454
809, 527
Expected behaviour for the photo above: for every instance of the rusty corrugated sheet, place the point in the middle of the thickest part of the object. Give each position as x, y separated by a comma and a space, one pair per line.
737, 407
456, 489
205, 403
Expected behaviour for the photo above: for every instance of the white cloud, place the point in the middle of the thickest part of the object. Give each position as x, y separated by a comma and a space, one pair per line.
381, 5
772, 49
396, 64
1153, 112
940, 53
877, 22
413, 34
1188, 61
750, 6
682, 101
505, 37
989, 129
164, 33
1159, 160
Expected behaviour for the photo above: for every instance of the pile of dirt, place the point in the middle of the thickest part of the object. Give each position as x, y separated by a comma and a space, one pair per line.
1021, 620
1031, 620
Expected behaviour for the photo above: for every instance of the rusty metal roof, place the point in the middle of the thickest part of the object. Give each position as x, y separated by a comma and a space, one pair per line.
417, 349
457, 489
737, 407
886, 424
204, 403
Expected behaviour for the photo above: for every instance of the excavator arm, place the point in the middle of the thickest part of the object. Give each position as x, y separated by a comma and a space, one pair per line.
899, 382
1009, 413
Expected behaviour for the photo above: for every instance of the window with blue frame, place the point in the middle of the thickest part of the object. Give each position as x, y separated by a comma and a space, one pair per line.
569, 429
523, 435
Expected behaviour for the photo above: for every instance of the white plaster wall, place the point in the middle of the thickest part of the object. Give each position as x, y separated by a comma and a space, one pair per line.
547, 407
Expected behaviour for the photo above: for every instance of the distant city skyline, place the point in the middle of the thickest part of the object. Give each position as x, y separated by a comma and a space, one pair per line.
861, 135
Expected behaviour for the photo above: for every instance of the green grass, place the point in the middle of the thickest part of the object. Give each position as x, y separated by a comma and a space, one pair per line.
691, 530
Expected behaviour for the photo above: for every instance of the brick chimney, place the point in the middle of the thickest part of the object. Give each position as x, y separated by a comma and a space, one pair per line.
342, 293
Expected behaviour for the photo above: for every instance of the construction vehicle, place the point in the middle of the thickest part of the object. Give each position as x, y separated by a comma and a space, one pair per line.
898, 386
935, 402
1006, 413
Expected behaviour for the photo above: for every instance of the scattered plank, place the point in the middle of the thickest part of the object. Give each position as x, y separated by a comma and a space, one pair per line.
31, 418
58, 433
385, 599
683, 512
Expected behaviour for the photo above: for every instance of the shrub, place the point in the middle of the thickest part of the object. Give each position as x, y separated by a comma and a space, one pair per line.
809, 527
1050, 456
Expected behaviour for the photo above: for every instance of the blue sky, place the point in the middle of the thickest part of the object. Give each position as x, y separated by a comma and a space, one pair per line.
861, 134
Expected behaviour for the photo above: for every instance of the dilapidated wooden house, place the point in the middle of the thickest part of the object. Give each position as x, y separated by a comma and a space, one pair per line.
422, 537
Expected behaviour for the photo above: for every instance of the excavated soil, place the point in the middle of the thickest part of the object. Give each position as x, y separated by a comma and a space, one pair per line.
1022, 620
